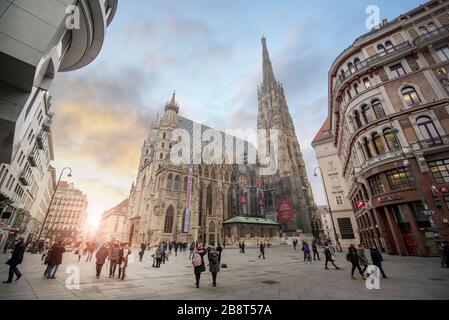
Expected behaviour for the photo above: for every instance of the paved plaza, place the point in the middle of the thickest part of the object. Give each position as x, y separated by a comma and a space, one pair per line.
283, 275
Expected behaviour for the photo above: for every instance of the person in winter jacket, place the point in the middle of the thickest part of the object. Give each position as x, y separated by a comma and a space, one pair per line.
262, 250
214, 265
143, 247
362, 257
101, 257
54, 259
198, 264
114, 257
15, 260
123, 261
329, 257
353, 257
315, 250
377, 259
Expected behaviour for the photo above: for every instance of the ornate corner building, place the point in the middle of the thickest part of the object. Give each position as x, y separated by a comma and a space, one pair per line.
229, 202
389, 114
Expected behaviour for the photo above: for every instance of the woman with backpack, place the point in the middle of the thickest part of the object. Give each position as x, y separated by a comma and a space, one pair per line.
198, 264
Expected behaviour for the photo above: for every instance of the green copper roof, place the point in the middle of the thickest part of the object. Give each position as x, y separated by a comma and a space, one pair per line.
251, 220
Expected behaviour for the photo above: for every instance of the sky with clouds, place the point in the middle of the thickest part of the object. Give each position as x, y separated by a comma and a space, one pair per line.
209, 51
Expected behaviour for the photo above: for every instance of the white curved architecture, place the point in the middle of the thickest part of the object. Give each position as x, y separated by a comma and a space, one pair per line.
38, 39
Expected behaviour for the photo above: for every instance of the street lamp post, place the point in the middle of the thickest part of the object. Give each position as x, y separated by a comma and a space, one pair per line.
52, 198
328, 202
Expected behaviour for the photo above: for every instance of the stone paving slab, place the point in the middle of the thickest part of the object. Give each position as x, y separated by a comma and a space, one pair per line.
283, 275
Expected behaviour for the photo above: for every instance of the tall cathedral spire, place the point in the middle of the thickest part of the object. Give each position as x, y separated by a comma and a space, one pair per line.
268, 74
172, 105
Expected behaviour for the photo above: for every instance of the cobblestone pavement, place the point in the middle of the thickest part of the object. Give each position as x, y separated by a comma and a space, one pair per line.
283, 275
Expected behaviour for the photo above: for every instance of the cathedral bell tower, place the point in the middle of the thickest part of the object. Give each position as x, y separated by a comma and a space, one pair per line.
292, 192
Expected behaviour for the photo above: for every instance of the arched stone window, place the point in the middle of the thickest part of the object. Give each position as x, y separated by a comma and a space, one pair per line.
390, 138
367, 115
378, 109
389, 46
209, 200
367, 148
431, 27
177, 185
428, 130
410, 96
356, 88
206, 172
367, 83
169, 215
378, 143
381, 50
357, 121
357, 63
186, 180
170, 182
213, 174
351, 67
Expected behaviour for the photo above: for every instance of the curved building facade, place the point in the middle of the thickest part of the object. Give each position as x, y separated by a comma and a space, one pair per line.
38, 39
389, 114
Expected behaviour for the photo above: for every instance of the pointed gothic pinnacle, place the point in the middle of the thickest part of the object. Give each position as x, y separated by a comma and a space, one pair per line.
173, 99
268, 74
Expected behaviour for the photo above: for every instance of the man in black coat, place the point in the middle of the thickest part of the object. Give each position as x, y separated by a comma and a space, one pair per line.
377, 259
56, 258
16, 259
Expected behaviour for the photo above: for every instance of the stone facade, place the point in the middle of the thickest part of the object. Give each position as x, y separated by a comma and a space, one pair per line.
388, 114
291, 172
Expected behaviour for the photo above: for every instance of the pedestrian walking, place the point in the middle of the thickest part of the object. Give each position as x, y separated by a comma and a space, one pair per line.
114, 257
79, 248
307, 256
198, 264
329, 257
295, 243
262, 250
214, 266
16, 260
315, 250
142, 249
219, 249
362, 257
176, 245
101, 256
123, 261
444, 249
159, 253
377, 259
55, 260
353, 257
6, 247
91, 247
192, 250
243, 247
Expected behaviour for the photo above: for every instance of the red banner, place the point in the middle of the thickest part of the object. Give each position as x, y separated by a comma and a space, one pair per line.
285, 210
243, 199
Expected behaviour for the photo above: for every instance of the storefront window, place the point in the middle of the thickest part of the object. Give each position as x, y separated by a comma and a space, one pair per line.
440, 170
376, 185
400, 179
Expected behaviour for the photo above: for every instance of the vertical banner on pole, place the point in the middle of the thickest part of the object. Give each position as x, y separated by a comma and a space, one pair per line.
188, 201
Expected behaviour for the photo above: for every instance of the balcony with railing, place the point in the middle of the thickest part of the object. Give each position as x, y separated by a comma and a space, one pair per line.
381, 158
25, 177
434, 142
46, 127
432, 36
359, 68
